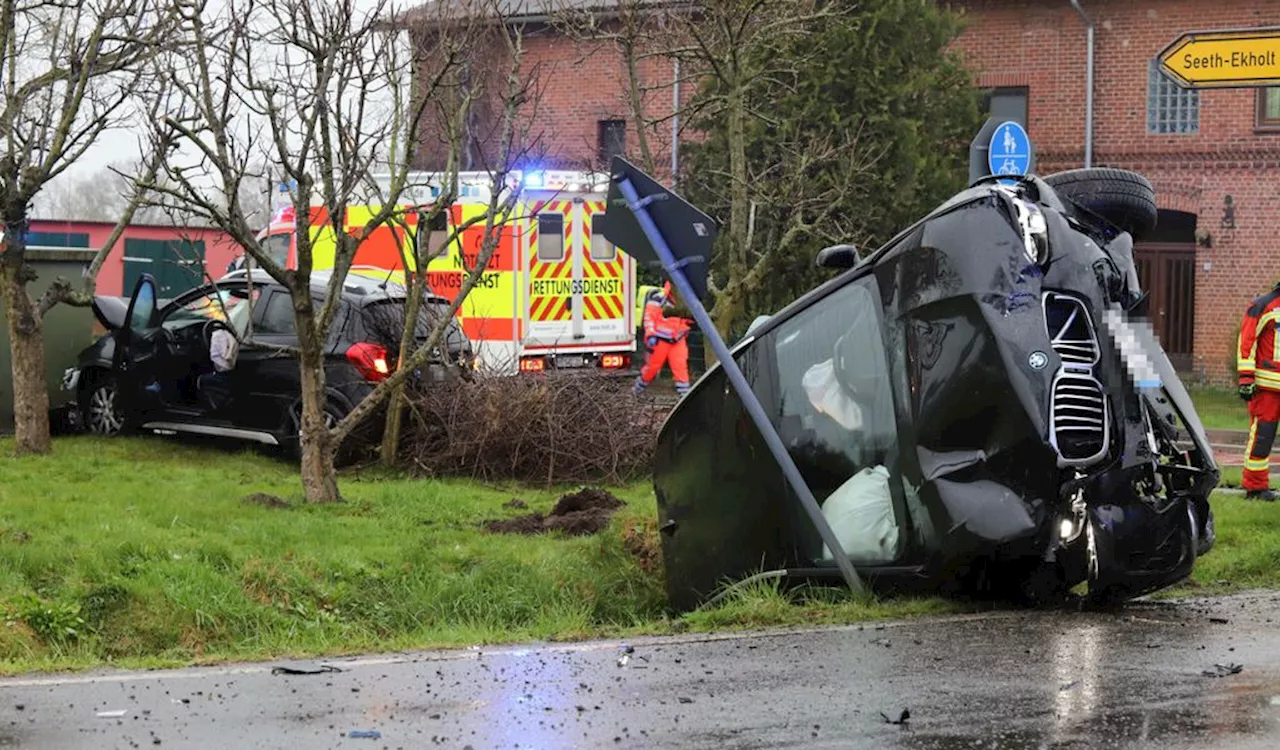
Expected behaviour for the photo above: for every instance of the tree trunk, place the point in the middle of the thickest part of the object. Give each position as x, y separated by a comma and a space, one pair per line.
26, 349
739, 205
396, 402
319, 477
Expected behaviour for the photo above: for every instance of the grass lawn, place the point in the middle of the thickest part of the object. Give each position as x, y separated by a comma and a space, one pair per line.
1220, 409
140, 552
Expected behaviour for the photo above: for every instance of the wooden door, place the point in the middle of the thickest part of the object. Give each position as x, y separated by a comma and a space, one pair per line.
1167, 272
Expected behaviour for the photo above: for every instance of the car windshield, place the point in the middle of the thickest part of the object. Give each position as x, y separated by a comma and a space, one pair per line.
226, 304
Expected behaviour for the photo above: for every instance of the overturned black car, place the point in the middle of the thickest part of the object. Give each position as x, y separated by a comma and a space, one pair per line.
978, 406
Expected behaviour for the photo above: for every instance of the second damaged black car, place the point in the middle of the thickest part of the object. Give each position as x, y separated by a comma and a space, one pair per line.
978, 406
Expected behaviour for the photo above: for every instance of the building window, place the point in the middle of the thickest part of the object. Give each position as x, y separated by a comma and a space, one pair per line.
1007, 103
613, 139
1269, 109
1170, 108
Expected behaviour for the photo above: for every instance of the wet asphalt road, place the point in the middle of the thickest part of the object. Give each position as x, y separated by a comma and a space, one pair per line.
1008, 680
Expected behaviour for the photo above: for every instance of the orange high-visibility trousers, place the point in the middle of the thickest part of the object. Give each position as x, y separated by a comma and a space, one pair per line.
1264, 416
673, 353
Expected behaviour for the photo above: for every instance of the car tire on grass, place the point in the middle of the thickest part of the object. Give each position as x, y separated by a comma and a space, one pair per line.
99, 401
1124, 198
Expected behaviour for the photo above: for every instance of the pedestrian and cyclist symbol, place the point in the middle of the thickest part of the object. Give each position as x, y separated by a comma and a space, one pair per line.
1009, 152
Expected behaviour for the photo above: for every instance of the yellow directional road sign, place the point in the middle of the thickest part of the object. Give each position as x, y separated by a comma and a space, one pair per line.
1238, 58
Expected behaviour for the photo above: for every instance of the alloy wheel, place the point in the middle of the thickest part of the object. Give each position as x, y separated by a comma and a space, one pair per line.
103, 418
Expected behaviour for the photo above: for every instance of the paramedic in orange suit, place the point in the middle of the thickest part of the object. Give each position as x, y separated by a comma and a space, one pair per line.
667, 339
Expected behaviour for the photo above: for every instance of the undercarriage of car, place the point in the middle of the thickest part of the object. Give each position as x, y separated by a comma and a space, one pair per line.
979, 406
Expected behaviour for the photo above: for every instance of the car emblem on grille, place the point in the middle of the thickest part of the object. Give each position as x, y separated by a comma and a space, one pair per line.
1038, 360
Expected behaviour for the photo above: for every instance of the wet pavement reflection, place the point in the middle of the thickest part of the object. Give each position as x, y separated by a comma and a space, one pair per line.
1141, 677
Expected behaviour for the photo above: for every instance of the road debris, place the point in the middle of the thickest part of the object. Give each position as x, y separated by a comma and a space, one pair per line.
902, 719
322, 669
1068, 686
365, 734
111, 714
1219, 620
1223, 670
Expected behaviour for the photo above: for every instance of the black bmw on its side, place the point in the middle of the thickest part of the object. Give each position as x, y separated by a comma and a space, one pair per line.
145, 372
977, 405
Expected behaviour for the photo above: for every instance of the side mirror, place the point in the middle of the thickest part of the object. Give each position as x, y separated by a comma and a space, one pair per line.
838, 256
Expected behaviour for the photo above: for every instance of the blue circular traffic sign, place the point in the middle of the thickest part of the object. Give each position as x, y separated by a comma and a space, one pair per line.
1009, 152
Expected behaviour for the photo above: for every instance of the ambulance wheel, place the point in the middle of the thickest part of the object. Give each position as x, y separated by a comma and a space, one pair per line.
1124, 198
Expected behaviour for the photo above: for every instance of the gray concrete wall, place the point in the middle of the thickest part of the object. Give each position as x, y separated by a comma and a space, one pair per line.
67, 330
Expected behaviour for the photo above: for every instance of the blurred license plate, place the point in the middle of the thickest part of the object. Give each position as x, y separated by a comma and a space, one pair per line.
572, 360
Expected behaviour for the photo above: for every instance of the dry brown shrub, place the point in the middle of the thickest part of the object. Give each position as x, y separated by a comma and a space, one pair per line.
552, 429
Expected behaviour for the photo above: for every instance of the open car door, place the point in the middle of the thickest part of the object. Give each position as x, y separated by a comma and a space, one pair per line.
139, 347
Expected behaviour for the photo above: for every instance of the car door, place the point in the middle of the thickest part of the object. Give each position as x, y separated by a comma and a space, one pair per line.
139, 352
266, 373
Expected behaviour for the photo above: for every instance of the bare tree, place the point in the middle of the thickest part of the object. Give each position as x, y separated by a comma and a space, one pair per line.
325, 91
71, 71
727, 43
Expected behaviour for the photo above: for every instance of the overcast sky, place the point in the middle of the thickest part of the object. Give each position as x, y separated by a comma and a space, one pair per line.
121, 145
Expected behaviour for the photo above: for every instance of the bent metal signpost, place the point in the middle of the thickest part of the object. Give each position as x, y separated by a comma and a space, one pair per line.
1233, 58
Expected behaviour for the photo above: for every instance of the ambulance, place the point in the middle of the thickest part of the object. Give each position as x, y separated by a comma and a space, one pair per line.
554, 296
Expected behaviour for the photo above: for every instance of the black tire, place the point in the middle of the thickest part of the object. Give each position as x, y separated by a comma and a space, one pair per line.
99, 402
333, 413
1124, 198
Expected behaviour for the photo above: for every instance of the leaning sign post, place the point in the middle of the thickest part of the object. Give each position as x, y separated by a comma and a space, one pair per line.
1224, 59
647, 219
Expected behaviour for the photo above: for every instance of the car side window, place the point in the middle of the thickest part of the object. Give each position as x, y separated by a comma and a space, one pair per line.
277, 316
835, 412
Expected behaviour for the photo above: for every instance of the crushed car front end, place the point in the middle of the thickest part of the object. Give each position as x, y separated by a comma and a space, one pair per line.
998, 419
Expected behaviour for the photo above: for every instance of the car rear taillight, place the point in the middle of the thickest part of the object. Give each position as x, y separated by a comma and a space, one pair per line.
370, 360
533, 364
613, 361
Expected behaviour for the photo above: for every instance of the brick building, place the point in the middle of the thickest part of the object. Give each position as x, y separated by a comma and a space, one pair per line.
1212, 155
579, 112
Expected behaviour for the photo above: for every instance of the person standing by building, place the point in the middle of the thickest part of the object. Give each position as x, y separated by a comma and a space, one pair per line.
667, 339
1259, 386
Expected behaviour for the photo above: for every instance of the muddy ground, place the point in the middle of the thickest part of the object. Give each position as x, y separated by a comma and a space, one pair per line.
578, 514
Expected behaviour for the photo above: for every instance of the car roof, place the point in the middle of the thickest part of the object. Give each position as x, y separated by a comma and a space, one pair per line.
358, 287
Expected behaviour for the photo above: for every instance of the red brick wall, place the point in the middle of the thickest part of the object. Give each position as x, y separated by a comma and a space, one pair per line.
576, 84
1041, 45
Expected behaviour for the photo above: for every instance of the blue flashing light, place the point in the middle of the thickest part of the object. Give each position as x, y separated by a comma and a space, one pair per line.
533, 180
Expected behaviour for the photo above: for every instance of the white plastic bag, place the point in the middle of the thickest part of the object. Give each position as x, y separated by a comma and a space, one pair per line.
860, 513
827, 396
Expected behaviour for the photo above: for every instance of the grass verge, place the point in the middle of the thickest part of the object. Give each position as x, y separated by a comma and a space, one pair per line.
1219, 408
142, 552
1247, 552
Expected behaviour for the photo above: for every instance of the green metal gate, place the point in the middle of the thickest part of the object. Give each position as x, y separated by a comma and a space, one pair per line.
176, 265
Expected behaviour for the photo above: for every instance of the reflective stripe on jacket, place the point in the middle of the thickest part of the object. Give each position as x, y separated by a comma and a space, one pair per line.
1256, 350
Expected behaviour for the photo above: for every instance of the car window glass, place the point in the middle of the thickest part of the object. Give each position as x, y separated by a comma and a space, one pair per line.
277, 318
277, 247
218, 303
144, 305
835, 413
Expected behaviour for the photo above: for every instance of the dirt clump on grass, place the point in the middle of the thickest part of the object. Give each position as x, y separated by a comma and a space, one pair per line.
577, 514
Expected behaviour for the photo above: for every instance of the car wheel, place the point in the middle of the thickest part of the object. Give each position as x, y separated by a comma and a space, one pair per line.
1124, 198
333, 413
100, 406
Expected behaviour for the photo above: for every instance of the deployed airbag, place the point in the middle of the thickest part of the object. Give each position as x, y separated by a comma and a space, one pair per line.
860, 512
